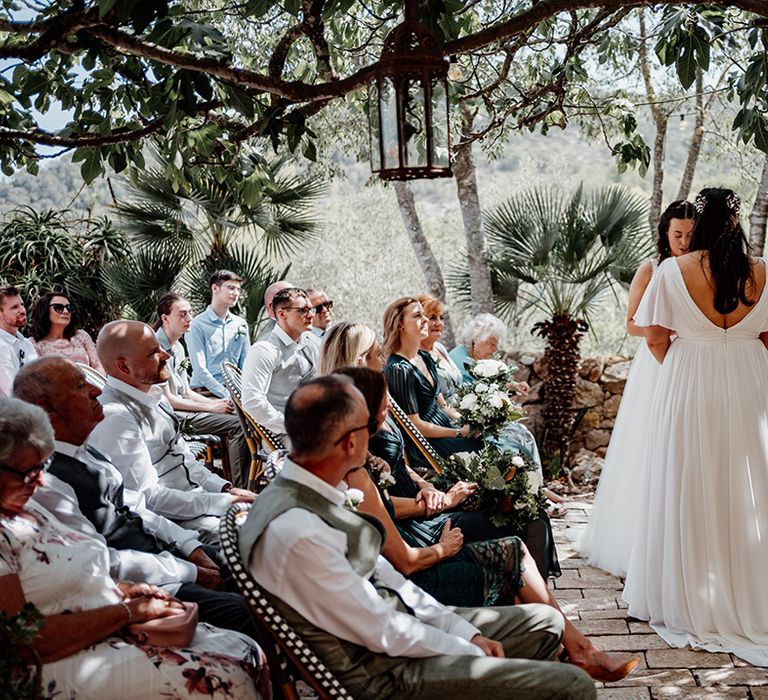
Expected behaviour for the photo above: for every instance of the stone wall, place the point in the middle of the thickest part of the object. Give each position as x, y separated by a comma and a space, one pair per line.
599, 387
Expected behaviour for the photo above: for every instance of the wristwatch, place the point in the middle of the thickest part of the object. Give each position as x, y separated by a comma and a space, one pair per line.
458, 433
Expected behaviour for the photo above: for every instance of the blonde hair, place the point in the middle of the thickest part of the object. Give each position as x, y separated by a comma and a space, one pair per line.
393, 316
431, 305
345, 344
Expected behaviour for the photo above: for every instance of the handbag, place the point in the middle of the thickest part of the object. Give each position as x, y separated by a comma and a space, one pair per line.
175, 630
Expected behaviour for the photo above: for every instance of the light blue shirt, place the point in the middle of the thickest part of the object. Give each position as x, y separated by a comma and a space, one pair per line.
212, 341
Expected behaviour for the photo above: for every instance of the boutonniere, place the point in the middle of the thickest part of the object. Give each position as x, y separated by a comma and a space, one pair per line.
353, 498
241, 331
185, 364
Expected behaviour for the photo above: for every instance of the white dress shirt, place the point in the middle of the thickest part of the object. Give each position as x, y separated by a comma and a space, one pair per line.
273, 369
119, 436
162, 569
301, 560
15, 350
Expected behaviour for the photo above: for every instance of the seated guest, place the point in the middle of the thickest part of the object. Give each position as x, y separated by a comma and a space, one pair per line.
381, 635
430, 552
202, 413
15, 349
269, 295
55, 332
82, 645
349, 345
449, 374
217, 335
480, 339
275, 366
140, 433
323, 313
84, 491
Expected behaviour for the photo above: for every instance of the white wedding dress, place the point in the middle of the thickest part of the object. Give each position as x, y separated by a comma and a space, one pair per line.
607, 540
699, 564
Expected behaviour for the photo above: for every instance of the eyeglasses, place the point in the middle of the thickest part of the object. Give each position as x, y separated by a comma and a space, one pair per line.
303, 310
325, 305
60, 308
372, 426
29, 476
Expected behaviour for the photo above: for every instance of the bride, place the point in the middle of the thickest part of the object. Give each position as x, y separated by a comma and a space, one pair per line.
607, 539
700, 557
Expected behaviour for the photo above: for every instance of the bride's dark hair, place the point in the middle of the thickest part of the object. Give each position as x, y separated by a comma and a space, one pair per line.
679, 209
718, 231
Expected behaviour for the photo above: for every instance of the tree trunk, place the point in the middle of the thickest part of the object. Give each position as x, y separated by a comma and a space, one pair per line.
698, 135
424, 254
658, 171
563, 336
466, 188
758, 217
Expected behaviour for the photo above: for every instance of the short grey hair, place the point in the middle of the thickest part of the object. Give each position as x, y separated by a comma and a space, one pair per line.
23, 425
482, 327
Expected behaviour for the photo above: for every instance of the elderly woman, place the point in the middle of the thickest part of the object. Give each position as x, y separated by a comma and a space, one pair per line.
55, 332
449, 374
480, 339
83, 645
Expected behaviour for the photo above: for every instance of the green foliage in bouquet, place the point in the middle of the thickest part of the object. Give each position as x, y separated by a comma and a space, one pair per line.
511, 487
17, 680
488, 404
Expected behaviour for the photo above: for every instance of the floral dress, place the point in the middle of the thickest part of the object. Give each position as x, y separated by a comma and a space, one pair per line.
79, 348
63, 571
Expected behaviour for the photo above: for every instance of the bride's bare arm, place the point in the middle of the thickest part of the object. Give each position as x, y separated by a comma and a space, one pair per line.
640, 283
658, 340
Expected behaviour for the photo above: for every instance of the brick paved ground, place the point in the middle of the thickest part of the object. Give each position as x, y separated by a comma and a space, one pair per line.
593, 597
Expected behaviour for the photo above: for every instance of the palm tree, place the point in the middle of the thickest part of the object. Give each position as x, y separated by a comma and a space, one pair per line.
184, 224
560, 254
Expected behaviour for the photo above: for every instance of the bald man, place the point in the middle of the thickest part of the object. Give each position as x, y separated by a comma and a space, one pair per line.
269, 296
140, 433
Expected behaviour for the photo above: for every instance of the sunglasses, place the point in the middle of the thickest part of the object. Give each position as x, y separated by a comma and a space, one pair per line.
371, 426
30, 476
60, 308
325, 305
303, 310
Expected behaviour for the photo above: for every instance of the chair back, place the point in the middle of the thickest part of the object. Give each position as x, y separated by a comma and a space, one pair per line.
93, 376
289, 657
415, 435
256, 435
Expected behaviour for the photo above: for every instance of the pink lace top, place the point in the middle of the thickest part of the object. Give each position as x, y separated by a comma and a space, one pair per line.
79, 348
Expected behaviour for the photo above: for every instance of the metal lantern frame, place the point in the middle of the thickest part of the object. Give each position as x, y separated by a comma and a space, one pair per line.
411, 56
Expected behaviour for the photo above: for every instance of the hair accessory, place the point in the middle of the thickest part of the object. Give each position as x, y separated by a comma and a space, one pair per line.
733, 201
699, 203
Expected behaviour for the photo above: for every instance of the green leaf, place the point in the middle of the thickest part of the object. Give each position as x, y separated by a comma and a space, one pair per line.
761, 132
91, 167
105, 6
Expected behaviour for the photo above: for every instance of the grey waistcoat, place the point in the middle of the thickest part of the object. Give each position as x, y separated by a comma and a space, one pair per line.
364, 673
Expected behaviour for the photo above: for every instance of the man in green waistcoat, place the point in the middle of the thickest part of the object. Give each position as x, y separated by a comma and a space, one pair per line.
381, 635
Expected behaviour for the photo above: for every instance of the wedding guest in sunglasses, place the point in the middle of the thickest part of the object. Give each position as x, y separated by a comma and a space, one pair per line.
55, 332
323, 314
15, 349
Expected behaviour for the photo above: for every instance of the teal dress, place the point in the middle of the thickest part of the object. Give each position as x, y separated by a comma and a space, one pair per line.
416, 395
475, 526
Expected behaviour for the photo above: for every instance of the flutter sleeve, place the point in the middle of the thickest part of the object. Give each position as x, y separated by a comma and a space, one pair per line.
402, 387
656, 307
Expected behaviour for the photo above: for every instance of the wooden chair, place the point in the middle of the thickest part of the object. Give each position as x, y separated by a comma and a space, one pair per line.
289, 658
256, 435
199, 445
414, 435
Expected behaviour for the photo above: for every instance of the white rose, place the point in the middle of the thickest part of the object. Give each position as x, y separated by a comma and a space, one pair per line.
496, 400
353, 498
468, 402
535, 481
488, 368
480, 387
518, 461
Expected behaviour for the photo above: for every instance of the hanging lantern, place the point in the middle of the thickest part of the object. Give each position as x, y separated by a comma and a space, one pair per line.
408, 105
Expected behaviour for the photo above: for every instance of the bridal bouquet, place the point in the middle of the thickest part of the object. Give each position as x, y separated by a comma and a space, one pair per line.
488, 404
511, 487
